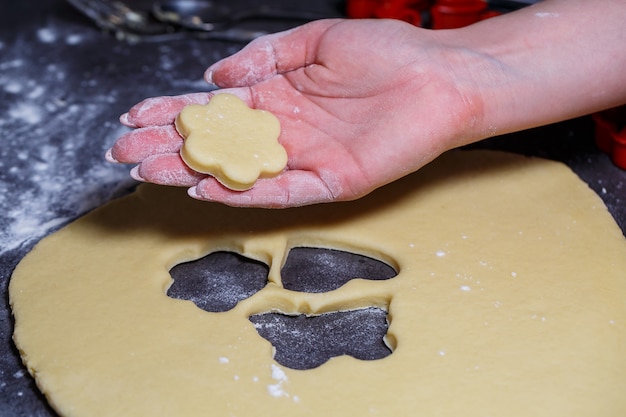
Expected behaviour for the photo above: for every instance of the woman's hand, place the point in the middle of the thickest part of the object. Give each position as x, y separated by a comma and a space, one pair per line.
364, 102
361, 103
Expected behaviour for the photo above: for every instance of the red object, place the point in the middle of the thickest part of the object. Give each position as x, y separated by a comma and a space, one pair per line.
361, 9
444, 14
450, 14
407, 10
401, 10
610, 134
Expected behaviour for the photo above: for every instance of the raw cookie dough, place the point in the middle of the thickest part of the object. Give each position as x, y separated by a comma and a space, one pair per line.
509, 301
230, 141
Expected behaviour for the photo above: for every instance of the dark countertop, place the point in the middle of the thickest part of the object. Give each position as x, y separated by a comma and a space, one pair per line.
63, 84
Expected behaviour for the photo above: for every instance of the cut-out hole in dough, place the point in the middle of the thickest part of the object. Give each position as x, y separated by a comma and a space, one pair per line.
316, 270
306, 342
218, 281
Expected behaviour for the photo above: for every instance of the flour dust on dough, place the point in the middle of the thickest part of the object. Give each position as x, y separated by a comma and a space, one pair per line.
509, 300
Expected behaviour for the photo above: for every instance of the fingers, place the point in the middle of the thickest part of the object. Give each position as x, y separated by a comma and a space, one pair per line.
270, 55
166, 169
161, 111
139, 144
155, 144
290, 189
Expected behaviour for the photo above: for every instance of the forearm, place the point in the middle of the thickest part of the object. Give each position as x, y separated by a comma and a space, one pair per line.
549, 62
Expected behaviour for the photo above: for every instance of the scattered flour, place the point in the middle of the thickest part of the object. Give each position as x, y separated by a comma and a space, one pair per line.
52, 166
277, 389
545, 15
278, 374
73, 39
47, 35
14, 88
29, 113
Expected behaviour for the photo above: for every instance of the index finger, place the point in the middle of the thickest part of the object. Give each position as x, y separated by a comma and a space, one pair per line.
161, 111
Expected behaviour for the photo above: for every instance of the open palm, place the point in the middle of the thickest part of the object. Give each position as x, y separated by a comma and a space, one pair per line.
361, 103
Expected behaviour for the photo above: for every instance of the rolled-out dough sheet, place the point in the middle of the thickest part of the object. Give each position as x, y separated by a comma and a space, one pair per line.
510, 301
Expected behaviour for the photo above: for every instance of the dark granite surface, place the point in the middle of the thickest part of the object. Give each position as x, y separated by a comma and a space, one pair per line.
63, 84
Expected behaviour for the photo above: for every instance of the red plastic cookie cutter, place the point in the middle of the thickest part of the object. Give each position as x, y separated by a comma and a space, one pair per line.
451, 14
410, 11
440, 14
610, 134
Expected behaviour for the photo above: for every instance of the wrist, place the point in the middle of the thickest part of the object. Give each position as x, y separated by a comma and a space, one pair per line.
546, 63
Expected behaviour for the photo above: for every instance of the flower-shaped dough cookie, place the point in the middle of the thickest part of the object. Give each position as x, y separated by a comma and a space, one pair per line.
230, 141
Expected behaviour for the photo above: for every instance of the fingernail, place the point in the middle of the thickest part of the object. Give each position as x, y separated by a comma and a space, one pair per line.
208, 76
192, 192
134, 173
124, 120
109, 157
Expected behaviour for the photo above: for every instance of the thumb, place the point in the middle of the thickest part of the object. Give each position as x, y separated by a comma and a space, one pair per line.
270, 55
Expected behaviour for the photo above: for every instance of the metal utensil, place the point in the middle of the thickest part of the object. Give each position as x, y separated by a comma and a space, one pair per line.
179, 19
207, 15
